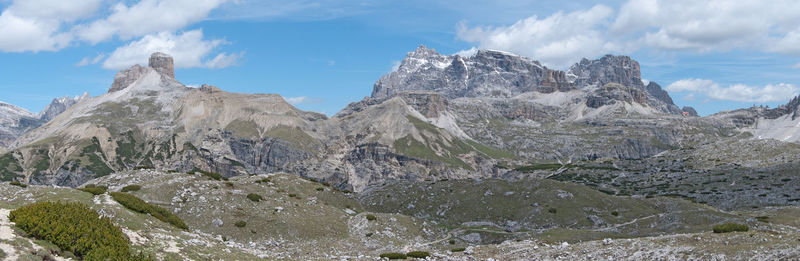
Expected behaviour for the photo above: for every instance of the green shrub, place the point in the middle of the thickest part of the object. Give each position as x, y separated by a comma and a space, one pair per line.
74, 227
94, 190
452, 242
320, 189
458, 249
18, 184
212, 175
254, 197
2, 254
393, 255
130, 188
134, 203
371, 217
291, 195
764, 219
730, 227
418, 254
552, 210
240, 223
615, 213
264, 180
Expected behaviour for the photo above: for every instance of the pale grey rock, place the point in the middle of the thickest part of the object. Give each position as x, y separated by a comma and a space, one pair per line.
126, 77
59, 105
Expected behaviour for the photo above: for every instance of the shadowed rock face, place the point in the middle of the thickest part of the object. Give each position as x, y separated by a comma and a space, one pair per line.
163, 64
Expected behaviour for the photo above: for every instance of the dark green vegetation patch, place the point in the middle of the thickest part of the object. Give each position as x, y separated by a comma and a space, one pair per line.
130, 188
254, 197
418, 254
393, 255
76, 228
240, 223
18, 184
212, 175
94, 190
134, 203
730, 227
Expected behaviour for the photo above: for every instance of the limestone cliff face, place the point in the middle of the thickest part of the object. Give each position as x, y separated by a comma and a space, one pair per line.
163, 64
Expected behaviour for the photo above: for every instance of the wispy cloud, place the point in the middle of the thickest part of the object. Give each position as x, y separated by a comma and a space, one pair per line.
90, 60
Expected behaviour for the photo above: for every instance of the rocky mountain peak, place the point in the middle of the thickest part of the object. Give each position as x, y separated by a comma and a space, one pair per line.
608, 69
159, 62
163, 64
59, 105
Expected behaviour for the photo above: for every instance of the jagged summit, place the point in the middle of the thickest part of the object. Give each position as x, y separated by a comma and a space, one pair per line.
59, 105
498, 74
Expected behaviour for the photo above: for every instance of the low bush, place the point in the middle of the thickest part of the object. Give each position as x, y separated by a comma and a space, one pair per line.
254, 197
371, 217
418, 254
458, 249
552, 210
614, 213
94, 190
320, 189
240, 223
134, 203
18, 184
212, 175
730, 227
291, 195
393, 255
74, 227
130, 188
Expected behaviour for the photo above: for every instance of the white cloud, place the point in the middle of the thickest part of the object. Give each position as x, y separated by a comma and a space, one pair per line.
55, 9
557, 40
35, 25
146, 17
91, 60
296, 100
796, 66
713, 25
736, 92
188, 49
675, 25
223, 60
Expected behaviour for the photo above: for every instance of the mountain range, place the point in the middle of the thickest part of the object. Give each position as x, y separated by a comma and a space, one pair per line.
491, 155
434, 117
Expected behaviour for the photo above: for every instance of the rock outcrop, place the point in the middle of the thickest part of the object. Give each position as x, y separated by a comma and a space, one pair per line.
163, 64
126, 77
160, 62
59, 105
608, 69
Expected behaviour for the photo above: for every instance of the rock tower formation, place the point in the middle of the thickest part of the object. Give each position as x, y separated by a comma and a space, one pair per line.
163, 64
160, 62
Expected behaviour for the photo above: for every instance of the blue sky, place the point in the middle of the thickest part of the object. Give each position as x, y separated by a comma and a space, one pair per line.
322, 55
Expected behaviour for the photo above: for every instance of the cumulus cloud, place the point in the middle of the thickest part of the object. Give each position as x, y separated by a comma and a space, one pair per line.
557, 40
675, 26
188, 49
736, 92
35, 25
146, 17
